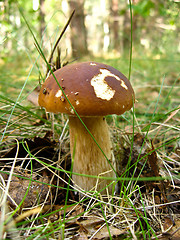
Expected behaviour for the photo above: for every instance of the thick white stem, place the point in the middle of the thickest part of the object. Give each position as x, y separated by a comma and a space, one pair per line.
88, 157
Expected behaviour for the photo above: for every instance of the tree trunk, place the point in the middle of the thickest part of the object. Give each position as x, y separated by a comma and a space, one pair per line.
114, 12
78, 29
42, 18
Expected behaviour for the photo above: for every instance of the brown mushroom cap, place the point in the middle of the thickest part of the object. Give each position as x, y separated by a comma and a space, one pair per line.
94, 89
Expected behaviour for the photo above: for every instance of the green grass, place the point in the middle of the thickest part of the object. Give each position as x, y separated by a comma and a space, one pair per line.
21, 117
155, 115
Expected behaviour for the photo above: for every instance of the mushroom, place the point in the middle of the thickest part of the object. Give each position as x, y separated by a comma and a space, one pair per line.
94, 90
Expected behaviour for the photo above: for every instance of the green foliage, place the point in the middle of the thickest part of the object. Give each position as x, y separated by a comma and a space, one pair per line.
143, 8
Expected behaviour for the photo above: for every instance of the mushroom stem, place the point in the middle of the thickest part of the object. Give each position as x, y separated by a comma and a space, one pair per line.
88, 158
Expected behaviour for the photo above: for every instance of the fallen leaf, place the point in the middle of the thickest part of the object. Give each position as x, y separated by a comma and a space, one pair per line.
173, 233
104, 233
94, 226
36, 191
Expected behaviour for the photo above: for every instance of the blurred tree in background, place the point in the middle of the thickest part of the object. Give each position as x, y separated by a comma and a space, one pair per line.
78, 29
42, 14
114, 23
98, 26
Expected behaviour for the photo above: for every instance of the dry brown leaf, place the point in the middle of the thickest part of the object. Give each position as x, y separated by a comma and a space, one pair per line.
82, 233
36, 191
167, 223
103, 233
173, 233
82, 236
93, 225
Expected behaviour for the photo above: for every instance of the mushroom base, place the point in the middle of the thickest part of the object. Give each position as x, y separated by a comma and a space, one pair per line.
88, 158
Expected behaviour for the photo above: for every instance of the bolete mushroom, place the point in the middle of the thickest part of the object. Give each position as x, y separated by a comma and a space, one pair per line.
94, 90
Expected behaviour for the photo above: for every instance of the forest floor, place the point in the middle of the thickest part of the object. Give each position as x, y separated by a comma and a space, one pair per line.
38, 200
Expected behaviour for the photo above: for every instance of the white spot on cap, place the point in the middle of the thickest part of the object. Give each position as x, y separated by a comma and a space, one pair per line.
59, 93
123, 84
71, 110
93, 64
101, 88
77, 102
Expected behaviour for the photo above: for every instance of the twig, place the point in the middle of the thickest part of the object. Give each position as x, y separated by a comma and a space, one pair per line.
57, 42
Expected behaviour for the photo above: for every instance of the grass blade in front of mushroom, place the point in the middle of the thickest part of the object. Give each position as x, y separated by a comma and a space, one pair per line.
44, 58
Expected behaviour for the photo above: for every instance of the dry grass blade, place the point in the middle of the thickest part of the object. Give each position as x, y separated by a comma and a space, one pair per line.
158, 129
5, 193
